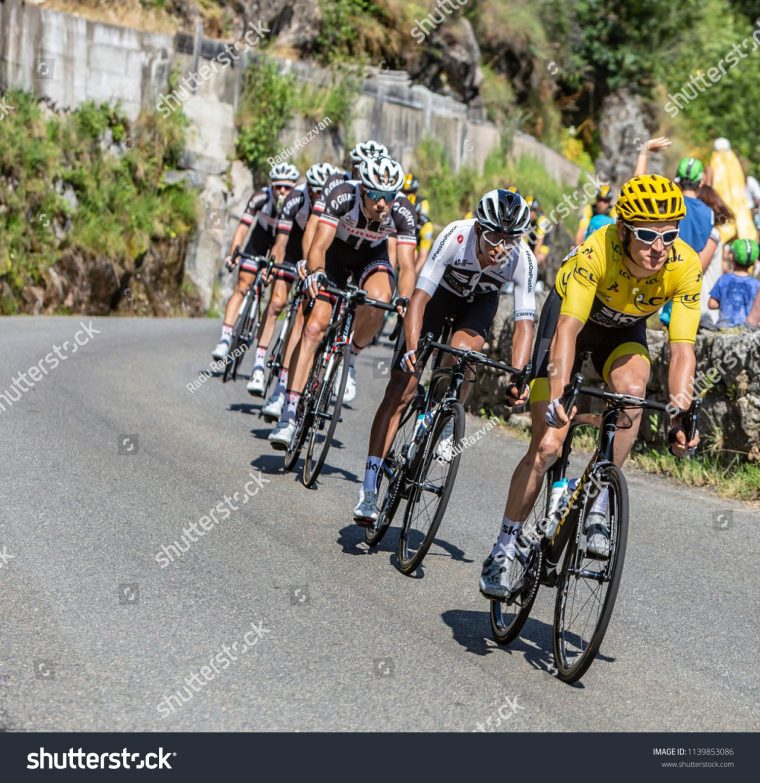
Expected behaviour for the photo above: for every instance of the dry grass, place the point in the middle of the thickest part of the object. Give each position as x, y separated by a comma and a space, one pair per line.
126, 13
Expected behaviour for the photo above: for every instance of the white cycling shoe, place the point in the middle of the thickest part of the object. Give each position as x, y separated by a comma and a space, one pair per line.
222, 349
282, 434
349, 393
273, 408
597, 536
365, 511
257, 384
500, 576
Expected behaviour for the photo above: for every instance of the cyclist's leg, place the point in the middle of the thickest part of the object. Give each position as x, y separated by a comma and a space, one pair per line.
276, 305
378, 281
244, 282
303, 355
545, 446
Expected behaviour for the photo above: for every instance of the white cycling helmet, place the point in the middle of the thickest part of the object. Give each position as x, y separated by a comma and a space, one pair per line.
284, 173
365, 150
382, 173
503, 211
317, 174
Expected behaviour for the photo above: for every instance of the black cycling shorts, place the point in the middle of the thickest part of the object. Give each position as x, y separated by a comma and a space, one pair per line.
342, 261
474, 315
604, 344
259, 244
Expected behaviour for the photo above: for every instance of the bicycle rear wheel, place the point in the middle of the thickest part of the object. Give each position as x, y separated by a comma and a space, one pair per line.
391, 477
327, 410
508, 615
587, 587
431, 486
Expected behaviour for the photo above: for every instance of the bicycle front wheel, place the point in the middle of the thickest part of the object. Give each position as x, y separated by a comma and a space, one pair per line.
237, 340
327, 410
588, 587
431, 486
391, 477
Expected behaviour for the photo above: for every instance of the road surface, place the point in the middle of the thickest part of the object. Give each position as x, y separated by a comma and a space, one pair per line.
276, 617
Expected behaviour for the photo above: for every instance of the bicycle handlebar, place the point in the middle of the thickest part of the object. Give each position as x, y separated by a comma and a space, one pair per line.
354, 294
427, 345
690, 417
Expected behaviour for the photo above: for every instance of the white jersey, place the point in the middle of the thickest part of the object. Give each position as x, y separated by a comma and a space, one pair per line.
453, 264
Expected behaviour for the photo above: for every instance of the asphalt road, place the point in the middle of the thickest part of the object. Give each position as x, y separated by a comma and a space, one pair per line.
109, 456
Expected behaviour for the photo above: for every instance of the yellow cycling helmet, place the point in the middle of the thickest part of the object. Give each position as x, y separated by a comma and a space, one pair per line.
650, 197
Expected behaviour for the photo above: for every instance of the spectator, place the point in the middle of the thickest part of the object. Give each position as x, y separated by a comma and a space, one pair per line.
714, 269
735, 292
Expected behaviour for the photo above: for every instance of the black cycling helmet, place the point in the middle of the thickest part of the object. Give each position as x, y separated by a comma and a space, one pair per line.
503, 211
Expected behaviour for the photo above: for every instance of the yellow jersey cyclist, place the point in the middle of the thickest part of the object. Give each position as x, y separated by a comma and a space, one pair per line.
604, 292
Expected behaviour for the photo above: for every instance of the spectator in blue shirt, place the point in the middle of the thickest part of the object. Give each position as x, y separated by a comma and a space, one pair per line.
735, 292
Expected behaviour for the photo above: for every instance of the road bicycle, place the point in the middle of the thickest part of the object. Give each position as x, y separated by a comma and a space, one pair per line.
277, 353
249, 315
552, 547
423, 460
320, 405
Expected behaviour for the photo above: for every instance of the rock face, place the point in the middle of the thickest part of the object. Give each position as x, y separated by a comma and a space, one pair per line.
728, 376
623, 129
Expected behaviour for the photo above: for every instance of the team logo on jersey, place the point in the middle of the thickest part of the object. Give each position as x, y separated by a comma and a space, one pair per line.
606, 316
615, 287
460, 238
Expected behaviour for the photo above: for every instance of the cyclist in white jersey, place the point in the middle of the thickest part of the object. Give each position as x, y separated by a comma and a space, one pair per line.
471, 261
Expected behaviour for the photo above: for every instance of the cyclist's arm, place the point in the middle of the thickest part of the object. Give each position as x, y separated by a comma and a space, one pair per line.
278, 248
392, 255
406, 244
562, 354
413, 317
239, 236
321, 242
525, 278
308, 234
683, 365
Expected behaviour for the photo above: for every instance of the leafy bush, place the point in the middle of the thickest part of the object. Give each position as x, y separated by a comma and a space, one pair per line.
116, 204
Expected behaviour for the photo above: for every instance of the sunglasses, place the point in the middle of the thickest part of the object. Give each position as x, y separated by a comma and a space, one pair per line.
494, 238
649, 236
376, 195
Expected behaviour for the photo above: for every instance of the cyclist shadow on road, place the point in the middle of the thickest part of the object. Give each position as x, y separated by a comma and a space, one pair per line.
473, 631
351, 538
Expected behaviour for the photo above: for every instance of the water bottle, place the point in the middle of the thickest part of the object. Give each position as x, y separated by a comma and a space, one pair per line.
557, 500
420, 428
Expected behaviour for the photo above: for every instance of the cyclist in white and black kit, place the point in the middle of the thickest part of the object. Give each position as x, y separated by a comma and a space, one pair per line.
364, 150
469, 264
287, 251
261, 212
352, 240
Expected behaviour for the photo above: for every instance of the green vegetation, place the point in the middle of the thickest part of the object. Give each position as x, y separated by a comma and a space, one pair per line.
63, 188
729, 478
270, 98
453, 193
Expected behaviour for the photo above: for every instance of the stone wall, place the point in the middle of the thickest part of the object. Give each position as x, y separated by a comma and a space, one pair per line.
728, 375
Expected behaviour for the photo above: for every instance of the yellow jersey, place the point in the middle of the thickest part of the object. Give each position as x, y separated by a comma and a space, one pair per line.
595, 284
